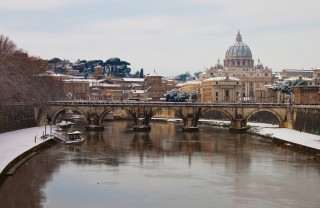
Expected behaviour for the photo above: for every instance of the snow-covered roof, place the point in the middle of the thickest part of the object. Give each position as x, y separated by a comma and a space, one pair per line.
133, 79
179, 85
221, 78
92, 84
296, 78
78, 80
300, 70
75, 132
137, 91
188, 83
154, 74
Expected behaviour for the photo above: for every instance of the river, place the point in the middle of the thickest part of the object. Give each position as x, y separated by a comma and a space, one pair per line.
165, 168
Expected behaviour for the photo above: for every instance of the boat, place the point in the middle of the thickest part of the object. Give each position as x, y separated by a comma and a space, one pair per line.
94, 128
64, 124
73, 138
77, 116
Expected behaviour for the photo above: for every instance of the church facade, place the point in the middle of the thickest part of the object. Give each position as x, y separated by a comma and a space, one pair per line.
238, 63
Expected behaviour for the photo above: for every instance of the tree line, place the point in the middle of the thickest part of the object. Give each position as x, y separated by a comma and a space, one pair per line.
113, 67
23, 77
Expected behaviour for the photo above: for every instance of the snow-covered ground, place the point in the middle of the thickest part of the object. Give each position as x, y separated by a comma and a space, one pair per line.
14, 143
289, 135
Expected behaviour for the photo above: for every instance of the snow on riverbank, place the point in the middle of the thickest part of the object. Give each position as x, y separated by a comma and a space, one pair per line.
289, 135
273, 131
14, 143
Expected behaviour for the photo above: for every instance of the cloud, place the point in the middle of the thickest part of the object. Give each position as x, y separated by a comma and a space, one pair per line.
174, 36
36, 4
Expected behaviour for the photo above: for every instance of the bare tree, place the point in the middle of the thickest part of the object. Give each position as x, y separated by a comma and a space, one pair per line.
22, 77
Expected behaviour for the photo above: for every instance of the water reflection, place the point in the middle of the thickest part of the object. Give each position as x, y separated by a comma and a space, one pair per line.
165, 168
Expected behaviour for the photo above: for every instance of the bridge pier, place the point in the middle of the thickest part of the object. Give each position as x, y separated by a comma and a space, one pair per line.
190, 117
238, 126
142, 117
190, 124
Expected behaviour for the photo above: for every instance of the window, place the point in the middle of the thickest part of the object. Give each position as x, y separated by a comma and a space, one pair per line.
227, 93
217, 94
266, 74
216, 82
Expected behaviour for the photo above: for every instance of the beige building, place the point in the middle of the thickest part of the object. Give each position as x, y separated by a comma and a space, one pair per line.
238, 63
76, 89
296, 73
221, 89
306, 95
154, 90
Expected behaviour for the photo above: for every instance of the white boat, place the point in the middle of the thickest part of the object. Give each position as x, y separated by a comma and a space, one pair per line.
64, 124
73, 138
94, 127
77, 116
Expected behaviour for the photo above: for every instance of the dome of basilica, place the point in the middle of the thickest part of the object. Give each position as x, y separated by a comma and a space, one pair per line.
238, 49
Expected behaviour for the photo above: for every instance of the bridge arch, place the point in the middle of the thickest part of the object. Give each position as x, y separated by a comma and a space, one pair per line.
57, 112
101, 117
230, 117
265, 110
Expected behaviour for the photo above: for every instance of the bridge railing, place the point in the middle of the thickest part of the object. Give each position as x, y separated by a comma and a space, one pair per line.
162, 104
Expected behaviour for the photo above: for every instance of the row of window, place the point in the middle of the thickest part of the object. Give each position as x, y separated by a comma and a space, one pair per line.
244, 75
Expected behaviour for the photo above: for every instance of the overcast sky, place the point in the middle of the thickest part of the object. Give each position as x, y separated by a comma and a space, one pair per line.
170, 36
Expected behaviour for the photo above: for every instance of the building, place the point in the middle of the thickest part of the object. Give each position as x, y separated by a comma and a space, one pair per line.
221, 89
296, 73
76, 89
306, 95
154, 90
238, 63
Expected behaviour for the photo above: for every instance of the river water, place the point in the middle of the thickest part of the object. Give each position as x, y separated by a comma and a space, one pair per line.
165, 168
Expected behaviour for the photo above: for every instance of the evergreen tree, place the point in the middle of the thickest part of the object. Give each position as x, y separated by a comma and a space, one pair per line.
141, 73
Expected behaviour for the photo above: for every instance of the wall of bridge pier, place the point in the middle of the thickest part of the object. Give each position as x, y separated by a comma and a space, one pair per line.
142, 112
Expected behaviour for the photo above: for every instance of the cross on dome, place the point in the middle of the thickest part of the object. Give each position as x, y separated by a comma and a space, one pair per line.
238, 38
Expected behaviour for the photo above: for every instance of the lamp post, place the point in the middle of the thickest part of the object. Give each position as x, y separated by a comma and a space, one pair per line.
45, 129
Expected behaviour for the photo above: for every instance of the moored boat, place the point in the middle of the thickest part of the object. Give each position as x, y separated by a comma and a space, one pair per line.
64, 124
94, 128
72, 138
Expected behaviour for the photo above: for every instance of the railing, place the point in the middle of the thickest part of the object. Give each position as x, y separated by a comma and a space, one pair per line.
163, 104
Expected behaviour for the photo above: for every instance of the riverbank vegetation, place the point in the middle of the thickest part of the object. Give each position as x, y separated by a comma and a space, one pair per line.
23, 77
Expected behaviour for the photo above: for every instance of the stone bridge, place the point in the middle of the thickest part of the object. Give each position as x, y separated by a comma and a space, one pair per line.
142, 112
